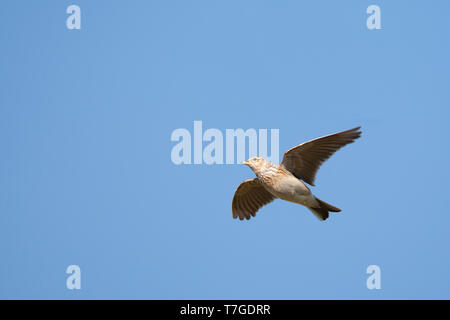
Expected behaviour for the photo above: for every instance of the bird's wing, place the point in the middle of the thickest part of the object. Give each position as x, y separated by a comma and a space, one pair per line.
304, 160
248, 198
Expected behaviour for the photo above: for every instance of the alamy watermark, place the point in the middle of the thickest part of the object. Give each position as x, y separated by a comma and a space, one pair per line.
74, 20
374, 280
373, 22
73, 281
190, 149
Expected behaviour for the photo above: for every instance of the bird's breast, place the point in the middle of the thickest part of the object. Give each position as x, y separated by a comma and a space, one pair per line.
288, 187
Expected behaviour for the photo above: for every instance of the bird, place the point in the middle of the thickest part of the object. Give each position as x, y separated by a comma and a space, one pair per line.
287, 180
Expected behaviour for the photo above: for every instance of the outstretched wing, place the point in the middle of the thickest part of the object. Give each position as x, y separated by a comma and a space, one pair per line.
248, 198
304, 160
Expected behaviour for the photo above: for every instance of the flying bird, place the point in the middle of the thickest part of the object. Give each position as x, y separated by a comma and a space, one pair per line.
286, 181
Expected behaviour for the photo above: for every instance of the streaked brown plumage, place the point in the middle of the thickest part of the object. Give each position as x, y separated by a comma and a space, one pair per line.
284, 181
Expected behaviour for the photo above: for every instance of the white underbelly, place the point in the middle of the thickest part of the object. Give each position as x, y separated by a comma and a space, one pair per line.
293, 190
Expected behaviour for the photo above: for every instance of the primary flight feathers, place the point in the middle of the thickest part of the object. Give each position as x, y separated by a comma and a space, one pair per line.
304, 160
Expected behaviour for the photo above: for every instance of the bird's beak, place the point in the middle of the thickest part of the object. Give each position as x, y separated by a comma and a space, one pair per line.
244, 162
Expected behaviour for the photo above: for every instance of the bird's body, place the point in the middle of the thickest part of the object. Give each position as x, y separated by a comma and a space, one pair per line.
282, 184
284, 181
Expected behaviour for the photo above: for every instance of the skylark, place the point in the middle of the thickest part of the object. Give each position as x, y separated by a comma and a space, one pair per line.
284, 181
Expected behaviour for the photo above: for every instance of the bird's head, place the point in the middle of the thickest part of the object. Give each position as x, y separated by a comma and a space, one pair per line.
256, 163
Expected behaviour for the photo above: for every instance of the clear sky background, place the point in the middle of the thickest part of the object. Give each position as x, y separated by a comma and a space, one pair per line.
86, 176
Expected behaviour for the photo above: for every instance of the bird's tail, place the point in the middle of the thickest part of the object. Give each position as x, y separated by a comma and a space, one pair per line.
322, 211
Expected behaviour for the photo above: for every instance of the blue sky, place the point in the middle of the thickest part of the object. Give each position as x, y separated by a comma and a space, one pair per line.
86, 176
